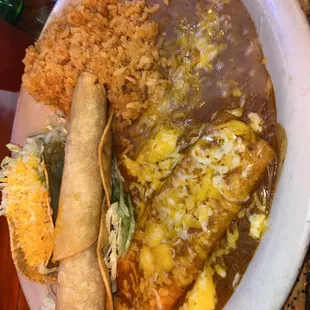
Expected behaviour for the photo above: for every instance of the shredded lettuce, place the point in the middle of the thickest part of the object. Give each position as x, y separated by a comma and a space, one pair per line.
13, 148
54, 154
114, 224
6, 160
124, 208
120, 222
35, 147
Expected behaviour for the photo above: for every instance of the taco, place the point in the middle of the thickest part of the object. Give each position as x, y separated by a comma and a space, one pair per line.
29, 191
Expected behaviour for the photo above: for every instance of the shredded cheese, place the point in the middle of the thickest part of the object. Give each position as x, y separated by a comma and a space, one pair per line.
258, 225
256, 122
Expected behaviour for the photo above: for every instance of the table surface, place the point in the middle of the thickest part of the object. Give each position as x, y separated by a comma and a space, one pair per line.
31, 21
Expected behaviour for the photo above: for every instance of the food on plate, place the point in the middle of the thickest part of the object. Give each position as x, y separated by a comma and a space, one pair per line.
190, 213
113, 39
80, 284
27, 187
215, 65
103, 244
80, 201
120, 224
81, 191
163, 190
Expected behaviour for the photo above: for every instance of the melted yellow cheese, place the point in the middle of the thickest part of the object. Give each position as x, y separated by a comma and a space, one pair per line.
238, 112
156, 160
154, 234
163, 258
256, 122
232, 238
157, 259
203, 294
258, 225
160, 147
146, 260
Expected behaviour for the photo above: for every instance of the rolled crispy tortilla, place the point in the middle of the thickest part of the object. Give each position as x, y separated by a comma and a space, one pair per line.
105, 157
80, 285
81, 195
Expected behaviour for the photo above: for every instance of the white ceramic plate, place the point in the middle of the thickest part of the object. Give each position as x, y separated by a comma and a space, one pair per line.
285, 37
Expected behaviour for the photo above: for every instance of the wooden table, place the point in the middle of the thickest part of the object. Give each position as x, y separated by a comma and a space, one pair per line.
32, 20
